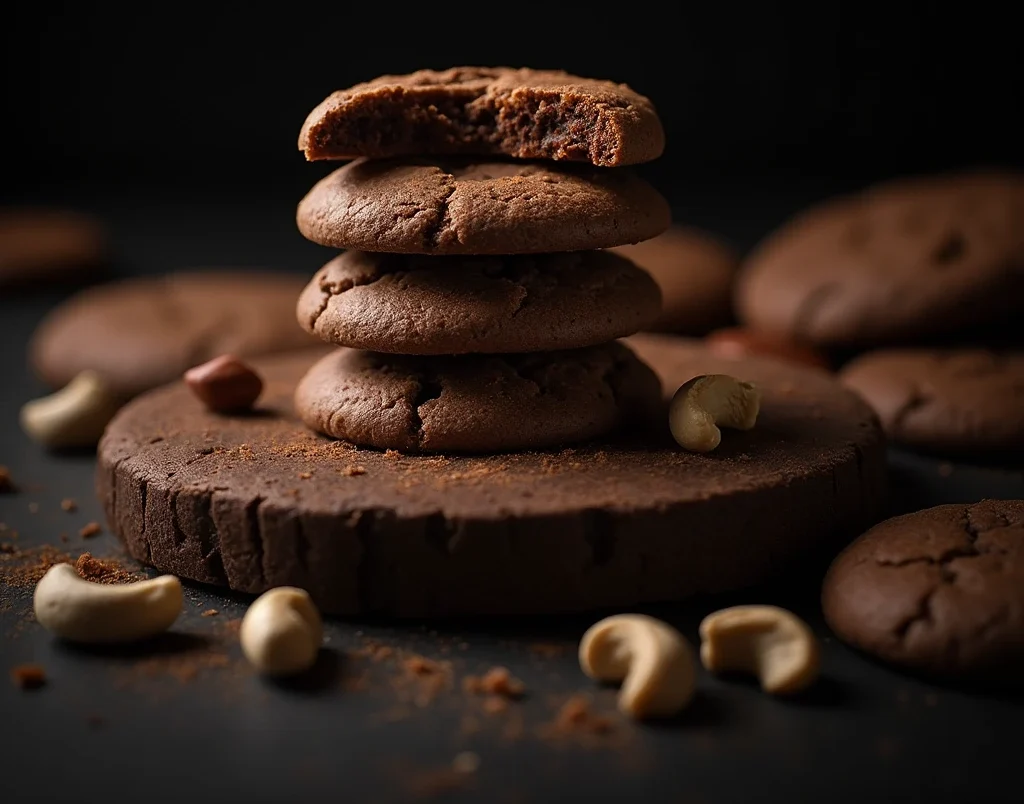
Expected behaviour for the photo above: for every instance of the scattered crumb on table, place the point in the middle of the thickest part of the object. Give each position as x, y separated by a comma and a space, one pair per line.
69, 505
90, 529
210, 613
28, 676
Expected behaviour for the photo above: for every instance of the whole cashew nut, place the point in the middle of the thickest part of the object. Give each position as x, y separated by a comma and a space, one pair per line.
710, 401
651, 658
74, 416
281, 632
770, 643
82, 611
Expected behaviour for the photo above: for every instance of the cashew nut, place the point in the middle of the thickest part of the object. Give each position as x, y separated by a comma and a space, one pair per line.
281, 632
82, 611
771, 643
710, 401
74, 416
651, 659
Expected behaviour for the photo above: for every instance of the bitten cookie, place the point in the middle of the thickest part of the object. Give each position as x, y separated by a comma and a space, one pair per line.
419, 305
964, 402
907, 260
940, 591
531, 114
140, 333
39, 245
476, 403
695, 272
424, 206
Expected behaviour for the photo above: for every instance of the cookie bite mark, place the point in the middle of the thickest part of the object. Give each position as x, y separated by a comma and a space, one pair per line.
527, 114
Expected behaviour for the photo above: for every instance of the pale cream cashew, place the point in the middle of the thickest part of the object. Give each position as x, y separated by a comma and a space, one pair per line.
281, 632
74, 416
770, 643
82, 611
651, 659
710, 401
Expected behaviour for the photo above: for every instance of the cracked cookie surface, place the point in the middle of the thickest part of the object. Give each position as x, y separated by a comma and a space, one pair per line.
416, 305
528, 114
939, 591
906, 260
256, 501
458, 206
957, 402
144, 332
476, 403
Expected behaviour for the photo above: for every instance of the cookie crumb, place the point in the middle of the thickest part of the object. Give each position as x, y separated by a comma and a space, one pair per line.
421, 666
210, 613
28, 676
33, 508
576, 716
6, 483
353, 471
497, 681
91, 529
100, 570
69, 505
466, 762
305, 475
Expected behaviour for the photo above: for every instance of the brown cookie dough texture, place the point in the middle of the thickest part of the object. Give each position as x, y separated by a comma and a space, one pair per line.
695, 272
419, 305
475, 403
939, 591
426, 206
961, 402
910, 259
39, 245
529, 114
257, 501
140, 333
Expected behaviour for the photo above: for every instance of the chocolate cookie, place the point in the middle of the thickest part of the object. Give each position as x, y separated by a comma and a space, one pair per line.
695, 272
258, 501
966, 402
476, 403
140, 333
530, 114
418, 305
907, 260
422, 206
940, 591
40, 245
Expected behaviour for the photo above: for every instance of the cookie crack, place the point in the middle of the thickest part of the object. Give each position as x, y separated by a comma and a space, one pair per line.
329, 290
432, 234
429, 388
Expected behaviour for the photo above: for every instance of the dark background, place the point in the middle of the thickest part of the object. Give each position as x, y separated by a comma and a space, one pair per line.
213, 94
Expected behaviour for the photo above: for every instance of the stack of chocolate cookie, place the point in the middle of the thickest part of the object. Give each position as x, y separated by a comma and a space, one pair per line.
477, 307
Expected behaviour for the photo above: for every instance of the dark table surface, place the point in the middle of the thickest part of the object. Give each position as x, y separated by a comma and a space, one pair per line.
185, 719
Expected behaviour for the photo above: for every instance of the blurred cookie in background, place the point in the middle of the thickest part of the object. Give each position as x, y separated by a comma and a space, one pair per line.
695, 272
39, 244
141, 333
966, 403
736, 342
906, 261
